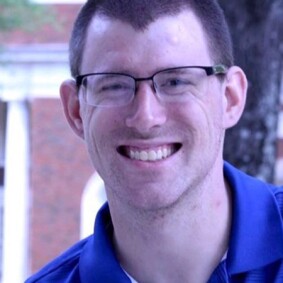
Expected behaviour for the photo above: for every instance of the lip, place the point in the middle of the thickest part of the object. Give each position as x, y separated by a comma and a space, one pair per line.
149, 153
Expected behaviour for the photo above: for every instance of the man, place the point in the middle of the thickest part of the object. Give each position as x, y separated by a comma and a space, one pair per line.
155, 91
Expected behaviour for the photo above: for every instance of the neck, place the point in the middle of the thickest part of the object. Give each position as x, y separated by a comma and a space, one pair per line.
183, 243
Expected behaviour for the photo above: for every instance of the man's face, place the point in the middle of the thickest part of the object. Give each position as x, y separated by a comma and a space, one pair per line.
188, 135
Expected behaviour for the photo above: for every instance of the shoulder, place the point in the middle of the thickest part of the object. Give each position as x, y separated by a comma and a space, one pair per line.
64, 266
247, 188
278, 194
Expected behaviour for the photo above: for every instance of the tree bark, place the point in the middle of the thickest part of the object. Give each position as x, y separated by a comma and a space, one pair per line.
256, 28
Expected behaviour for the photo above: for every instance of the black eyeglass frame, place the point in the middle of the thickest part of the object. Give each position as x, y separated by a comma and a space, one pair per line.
218, 69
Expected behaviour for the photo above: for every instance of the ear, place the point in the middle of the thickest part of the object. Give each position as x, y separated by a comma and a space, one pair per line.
235, 96
70, 100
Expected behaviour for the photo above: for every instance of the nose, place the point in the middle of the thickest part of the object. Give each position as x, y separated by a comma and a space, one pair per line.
147, 111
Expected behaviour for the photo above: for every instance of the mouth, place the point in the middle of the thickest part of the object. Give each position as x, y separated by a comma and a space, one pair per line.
150, 154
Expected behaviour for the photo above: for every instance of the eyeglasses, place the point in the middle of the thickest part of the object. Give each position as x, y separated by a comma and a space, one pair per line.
170, 85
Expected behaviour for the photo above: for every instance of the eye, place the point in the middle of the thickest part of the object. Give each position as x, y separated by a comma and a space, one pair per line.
114, 86
173, 82
111, 84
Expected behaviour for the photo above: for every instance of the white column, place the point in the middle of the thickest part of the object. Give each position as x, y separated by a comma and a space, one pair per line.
15, 218
26, 72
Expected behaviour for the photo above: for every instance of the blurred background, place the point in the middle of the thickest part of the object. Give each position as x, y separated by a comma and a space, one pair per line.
49, 192
46, 180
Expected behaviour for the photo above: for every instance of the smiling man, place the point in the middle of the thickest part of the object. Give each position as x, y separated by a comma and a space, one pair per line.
154, 91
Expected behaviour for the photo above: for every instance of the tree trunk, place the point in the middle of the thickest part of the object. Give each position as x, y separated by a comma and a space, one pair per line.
256, 28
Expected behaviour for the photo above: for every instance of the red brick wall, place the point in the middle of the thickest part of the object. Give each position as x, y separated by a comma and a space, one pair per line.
59, 170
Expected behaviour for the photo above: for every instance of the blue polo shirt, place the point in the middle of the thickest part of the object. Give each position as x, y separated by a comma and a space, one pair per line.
255, 253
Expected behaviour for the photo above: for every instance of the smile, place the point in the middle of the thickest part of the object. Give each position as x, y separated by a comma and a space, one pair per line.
149, 154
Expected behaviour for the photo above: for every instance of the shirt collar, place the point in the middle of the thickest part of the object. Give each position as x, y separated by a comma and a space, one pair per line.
257, 233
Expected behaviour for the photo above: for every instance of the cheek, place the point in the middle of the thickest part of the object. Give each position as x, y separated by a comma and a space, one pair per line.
212, 107
201, 118
99, 125
97, 138
87, 118
97, 120
195, 113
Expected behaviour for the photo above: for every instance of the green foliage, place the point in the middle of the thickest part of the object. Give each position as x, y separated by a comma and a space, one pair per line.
22, 14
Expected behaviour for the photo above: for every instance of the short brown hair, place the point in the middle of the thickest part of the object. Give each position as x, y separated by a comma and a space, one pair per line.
140, 13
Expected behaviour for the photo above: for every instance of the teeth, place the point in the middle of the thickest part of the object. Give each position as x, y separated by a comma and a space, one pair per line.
144, 156
151, 155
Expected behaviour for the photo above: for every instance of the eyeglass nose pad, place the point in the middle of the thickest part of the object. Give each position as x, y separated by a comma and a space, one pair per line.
154, 86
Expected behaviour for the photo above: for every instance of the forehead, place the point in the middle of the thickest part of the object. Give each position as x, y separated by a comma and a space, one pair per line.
113, 45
